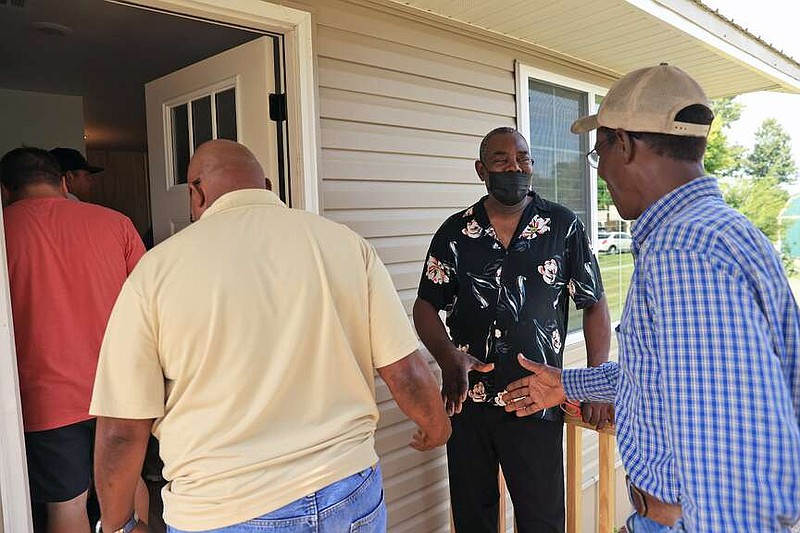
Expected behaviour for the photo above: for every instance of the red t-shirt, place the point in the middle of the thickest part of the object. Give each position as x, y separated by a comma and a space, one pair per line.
67, 262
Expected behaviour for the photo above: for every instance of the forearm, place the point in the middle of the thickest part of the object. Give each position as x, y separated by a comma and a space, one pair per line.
414, 388
597, 332
431, 331
597, 384
120, 446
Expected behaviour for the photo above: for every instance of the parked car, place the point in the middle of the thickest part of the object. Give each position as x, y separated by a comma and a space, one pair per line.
613, 242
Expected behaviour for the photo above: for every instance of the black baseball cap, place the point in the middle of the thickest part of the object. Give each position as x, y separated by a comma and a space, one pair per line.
71, 159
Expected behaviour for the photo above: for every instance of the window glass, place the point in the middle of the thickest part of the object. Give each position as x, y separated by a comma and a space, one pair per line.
201, 120
180, 143
225, 103
560, 171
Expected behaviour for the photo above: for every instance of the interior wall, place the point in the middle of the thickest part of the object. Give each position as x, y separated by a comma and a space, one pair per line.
40, 119
123, 185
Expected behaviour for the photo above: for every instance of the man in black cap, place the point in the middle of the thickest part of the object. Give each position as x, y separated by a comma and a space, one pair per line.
78, 173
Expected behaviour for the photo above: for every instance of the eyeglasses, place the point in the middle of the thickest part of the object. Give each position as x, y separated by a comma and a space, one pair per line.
593, 157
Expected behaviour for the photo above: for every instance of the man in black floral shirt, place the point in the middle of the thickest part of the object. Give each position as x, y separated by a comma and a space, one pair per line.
504, 270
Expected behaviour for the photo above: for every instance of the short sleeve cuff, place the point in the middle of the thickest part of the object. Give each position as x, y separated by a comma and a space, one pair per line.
588, 300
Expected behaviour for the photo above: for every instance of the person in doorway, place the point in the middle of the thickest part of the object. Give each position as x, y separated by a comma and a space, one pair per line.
707, 388
63, 286
504, 270
78, 173
247, 344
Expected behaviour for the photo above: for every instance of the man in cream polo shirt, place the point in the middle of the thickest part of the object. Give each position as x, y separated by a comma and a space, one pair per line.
247, 344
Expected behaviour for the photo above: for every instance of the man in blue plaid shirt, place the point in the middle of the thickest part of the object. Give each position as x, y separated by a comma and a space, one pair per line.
707, 387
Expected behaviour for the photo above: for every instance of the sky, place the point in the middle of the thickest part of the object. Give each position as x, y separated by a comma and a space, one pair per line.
776, 22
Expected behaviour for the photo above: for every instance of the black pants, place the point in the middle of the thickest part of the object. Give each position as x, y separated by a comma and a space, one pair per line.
530, 452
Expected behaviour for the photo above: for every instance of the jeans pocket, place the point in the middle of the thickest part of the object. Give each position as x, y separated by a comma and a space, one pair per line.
372, 522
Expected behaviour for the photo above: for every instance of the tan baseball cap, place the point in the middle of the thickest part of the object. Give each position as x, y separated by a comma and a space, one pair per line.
647, 100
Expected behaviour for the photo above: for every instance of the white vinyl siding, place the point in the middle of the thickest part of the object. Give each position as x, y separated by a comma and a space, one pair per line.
403, 107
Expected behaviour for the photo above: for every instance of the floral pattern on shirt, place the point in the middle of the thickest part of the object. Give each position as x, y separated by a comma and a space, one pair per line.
556, 340
504, 300
473, 229
537, 226
437, 271
549, 270
478, 392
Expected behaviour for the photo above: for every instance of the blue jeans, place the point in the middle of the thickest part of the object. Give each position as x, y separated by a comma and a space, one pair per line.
353, 504
637, 523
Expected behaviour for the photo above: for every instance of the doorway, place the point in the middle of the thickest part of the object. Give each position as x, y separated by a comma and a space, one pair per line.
146, 40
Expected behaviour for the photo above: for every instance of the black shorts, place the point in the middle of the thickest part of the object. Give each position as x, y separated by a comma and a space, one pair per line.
60, 461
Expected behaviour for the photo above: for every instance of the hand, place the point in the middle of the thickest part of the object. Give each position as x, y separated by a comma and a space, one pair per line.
599, 415
455, 381
533, 393
423, 441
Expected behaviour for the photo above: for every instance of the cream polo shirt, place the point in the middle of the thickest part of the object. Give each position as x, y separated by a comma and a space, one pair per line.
251, 337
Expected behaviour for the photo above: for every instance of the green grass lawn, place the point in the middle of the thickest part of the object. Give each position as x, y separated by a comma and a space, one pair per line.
616, 271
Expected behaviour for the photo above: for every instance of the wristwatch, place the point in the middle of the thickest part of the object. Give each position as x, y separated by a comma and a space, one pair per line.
129, 526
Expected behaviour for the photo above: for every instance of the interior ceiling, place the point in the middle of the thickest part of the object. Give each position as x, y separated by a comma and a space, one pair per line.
111, 52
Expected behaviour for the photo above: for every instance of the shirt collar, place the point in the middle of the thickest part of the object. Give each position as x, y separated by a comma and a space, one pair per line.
243, 198
536, 205
670, 204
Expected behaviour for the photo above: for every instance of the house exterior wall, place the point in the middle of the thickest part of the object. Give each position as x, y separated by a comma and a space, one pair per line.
403, 106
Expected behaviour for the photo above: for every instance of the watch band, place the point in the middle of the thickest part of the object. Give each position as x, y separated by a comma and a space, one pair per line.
129, 526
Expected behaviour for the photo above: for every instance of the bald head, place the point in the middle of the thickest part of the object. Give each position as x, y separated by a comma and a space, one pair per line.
219, 167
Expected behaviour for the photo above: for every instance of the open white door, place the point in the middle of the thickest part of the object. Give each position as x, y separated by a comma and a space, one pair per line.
223, 97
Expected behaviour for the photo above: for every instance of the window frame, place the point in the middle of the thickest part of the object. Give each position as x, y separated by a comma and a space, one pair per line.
524, 73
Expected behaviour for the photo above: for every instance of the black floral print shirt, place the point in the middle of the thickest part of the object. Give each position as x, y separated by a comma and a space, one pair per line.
501, 302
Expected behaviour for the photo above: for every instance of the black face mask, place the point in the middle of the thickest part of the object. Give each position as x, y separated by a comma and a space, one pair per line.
508, 188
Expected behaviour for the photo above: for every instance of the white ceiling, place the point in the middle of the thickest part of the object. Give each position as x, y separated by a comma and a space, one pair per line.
613, 37
112, 52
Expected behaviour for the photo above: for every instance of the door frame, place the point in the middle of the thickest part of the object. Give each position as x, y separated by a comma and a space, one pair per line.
303, 139
296, 28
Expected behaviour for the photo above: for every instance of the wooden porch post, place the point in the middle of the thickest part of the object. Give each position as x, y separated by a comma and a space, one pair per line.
607, 484
574, 479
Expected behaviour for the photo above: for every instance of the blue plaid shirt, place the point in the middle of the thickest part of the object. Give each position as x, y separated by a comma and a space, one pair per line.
707, 388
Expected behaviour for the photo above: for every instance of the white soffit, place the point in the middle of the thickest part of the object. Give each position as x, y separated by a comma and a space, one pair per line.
617, 36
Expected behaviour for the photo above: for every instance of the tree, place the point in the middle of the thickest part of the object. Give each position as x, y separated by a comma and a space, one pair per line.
603, 196
761, 200
723, 159
772, 154
751, 185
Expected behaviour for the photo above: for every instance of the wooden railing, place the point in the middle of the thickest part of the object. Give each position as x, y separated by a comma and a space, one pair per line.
606, 485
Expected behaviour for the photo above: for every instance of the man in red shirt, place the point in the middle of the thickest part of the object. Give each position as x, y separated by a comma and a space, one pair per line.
67, 262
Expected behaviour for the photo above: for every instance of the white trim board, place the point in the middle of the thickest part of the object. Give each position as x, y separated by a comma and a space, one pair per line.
14, 495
